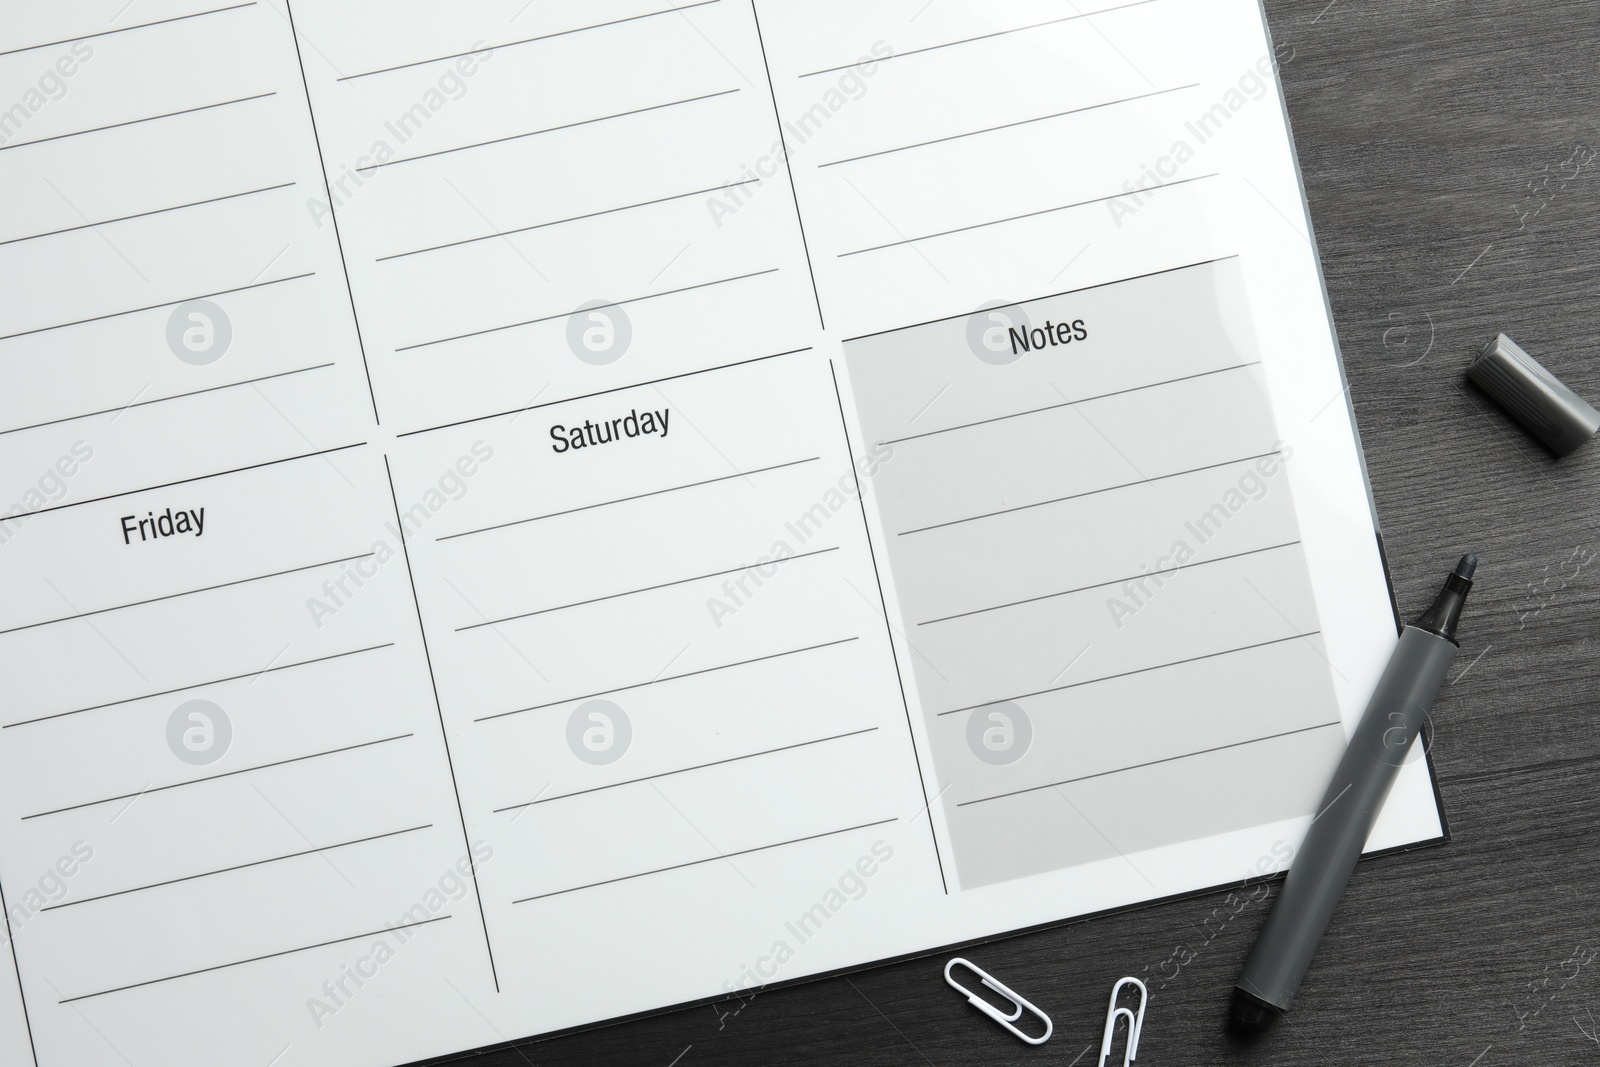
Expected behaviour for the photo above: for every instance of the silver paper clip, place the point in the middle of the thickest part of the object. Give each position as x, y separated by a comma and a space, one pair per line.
1135, 1022
1017, 1003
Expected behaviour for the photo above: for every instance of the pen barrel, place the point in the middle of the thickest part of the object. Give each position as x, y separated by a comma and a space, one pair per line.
1338, 832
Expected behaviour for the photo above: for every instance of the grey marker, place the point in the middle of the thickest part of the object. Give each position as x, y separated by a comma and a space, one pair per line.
1344, 819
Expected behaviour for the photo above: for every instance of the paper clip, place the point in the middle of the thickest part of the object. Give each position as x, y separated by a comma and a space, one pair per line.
1135, 1022
1017, 1003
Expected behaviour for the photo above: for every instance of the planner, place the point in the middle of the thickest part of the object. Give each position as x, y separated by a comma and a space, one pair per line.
516, 515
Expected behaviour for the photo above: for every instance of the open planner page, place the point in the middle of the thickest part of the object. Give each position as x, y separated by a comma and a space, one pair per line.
514, 515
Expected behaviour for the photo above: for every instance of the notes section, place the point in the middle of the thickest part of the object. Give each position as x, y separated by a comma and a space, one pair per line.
540, 201
666, 663
1094, 547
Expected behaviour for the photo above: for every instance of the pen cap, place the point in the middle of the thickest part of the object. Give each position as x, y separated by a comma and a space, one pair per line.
1561, 419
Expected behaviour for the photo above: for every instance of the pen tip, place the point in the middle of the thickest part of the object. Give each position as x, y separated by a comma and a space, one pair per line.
1250, 1015
1467, 566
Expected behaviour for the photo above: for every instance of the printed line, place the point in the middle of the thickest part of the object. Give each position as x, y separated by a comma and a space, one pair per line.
338, 236
444, 737
236, 867
1070, 403
1025, 215
1128, 674
644, 589
181, 481
567, 314
985, 36
708, 859
216, 777
1050, 296
528, 40
164, 399
783, 141
604, 392
256, 959
1114, 581
147, 214
626, 499
547, 129
1007, 126
572, 218
136, 122
187, 592
1151, 763
197, 685
681, 770
883, 604
666, 678
125, 29
1087, 493
153, 307
16, 969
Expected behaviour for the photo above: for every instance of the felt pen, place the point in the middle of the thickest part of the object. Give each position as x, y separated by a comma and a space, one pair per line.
1344, 819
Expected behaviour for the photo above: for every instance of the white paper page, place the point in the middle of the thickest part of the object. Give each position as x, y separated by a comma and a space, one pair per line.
224, 778
551, 575
1145, 142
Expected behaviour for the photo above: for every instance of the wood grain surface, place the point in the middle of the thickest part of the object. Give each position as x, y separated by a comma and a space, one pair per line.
1432, 134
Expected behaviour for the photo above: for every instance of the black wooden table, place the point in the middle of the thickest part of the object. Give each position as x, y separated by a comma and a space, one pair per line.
1438, 140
